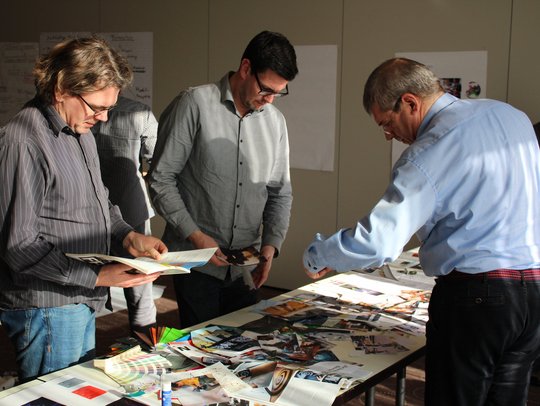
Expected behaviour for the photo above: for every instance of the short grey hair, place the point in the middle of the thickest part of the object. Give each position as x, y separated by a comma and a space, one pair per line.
395, 77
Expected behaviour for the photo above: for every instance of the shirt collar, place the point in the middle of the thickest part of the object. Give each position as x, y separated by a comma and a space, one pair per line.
442, 102
227, 96
56, 123
225, 89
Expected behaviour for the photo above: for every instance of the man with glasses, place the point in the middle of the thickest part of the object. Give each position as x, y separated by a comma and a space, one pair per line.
468, 185
53, 202
220, 177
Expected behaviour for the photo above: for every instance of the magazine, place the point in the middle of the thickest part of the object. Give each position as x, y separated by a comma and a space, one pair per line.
294, 387
178, 262
243, 257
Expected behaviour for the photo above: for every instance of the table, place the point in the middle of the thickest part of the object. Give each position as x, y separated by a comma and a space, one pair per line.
383, 368
381, 365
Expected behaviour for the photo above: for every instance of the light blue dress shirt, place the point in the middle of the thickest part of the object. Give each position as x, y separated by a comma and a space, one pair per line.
469, 188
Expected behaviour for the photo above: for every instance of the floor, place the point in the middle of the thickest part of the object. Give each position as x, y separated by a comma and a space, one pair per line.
115, 325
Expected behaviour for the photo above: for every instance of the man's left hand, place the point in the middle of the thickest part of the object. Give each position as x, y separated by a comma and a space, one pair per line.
260, 274
140, 245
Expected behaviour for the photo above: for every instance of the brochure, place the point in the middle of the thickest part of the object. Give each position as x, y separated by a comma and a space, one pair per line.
178, 262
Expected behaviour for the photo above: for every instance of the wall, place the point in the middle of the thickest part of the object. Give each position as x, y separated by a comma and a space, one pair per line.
196, 41
524, 61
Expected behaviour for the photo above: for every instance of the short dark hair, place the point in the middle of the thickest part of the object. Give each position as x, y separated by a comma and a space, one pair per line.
272, 50
80, 65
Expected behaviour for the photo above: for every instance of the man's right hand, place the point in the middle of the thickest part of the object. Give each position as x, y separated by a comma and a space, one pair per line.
318, 274
116, 275
201, 240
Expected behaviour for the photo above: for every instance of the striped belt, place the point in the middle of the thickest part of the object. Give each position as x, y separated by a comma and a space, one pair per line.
522, 275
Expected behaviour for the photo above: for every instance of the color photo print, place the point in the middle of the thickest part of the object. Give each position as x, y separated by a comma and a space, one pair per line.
243, 257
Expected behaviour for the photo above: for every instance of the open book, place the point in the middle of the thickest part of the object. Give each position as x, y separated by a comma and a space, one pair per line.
170, 263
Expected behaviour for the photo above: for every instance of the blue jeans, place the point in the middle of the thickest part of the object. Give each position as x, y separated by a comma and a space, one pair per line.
49, 339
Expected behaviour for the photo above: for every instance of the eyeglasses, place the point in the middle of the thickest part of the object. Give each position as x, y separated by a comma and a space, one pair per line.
96, 110
269, 92
397, 105
389, 123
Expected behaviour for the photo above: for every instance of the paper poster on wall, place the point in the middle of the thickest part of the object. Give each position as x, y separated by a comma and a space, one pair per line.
137, 47
310, 109
16, 82
47, 40
463, 74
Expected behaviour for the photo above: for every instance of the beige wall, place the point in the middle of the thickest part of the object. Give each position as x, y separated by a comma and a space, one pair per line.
196, 41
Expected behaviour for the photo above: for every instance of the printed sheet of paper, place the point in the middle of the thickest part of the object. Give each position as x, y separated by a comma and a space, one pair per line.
300, 387
350, 372
211, 385
66, 390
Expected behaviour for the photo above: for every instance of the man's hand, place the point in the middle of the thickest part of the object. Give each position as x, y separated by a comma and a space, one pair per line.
201, 240
318, 274
140, 245
117, 275
260, 274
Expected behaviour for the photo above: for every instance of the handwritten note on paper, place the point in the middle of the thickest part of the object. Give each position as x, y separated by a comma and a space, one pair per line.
16, 83
47, 40
137, 47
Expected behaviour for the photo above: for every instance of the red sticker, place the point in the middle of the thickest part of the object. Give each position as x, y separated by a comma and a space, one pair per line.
89, 392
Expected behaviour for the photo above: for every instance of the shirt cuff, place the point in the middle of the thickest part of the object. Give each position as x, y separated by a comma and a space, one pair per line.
310, 256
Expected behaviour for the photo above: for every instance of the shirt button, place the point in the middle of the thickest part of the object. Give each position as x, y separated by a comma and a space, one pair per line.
478, 300
240, 184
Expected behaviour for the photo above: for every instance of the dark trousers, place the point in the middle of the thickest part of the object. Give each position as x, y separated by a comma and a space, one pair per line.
483, 336
201, 297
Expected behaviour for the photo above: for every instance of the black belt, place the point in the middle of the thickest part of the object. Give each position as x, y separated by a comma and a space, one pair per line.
514, 274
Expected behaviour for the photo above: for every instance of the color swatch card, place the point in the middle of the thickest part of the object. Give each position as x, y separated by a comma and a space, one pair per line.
67, 390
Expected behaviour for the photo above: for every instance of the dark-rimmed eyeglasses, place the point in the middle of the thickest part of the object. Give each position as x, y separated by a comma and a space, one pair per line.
397, 105
96, 110
264, 91
386, 126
